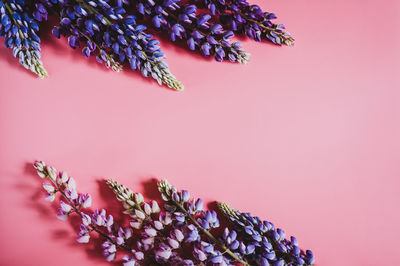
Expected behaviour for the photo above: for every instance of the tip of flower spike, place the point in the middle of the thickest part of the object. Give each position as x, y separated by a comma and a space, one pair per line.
161, 73
279, 36
288, 40
163, 185
166, 189
175, 84
29, 59
42, 73
237, 54
228, 210
123, 193
245, 58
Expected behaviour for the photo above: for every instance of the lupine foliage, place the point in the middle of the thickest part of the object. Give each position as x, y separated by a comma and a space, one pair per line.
113, 30
179, 232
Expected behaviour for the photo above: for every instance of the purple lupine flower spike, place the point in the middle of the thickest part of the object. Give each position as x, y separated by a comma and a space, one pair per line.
19, 29
244, 18
182, 22
181, 233
263, 243
103, 29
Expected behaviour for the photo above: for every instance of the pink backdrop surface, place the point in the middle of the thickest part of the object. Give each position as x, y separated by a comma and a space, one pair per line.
305, 137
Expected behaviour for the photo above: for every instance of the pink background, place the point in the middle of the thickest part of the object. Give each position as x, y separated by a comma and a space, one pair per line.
306, 137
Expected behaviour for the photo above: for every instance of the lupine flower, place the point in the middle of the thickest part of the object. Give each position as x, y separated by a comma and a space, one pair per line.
241, 17
20, 32
175, 200
182, 22
181, 233
268, 244
104, 29
98, 221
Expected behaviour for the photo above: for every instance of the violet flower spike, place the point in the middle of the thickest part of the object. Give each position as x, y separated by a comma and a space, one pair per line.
182, 234
242, 17
103, 29
20, 32
262, 242
182, 22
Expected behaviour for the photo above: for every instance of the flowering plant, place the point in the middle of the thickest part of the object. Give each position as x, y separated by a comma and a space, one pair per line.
108, 30
181, 232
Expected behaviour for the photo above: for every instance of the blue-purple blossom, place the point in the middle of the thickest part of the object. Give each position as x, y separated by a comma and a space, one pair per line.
182, 22
244, 18
262, 243
20, 33
103, 29
181, 233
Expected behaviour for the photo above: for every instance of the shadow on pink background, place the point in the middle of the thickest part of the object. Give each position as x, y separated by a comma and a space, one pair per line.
305, 137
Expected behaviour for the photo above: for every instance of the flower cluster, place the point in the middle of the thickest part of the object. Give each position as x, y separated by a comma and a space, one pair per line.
241, 17
181, 232
268, 242
109, 30
183, 22
76, 203
104, 29
20, 32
